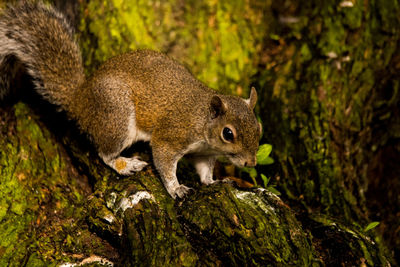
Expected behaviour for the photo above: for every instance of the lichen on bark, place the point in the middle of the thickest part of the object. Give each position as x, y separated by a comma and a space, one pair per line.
330, 88
41, 196
218, 40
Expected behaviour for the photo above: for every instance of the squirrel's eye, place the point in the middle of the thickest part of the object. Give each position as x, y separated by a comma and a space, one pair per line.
227, 134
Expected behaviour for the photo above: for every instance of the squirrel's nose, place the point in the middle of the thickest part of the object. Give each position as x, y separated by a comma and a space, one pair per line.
250, 163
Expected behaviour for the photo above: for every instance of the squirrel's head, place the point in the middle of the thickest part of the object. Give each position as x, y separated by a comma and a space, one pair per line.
233, 130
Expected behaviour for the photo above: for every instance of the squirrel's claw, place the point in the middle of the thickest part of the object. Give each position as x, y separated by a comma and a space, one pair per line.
181, 191
226, 181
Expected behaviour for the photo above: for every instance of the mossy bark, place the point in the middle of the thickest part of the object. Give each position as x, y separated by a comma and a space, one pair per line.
42, 196
50, 216
327, 77
331, 94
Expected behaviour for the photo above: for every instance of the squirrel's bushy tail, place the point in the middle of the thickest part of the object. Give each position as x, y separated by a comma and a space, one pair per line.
40, 38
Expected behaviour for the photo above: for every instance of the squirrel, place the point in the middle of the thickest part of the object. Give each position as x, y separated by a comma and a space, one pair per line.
142, 95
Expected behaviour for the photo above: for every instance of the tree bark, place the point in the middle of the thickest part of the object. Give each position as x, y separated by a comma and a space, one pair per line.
331, 95
51, 216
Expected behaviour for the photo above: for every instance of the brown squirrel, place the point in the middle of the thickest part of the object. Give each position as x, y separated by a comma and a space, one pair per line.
138, 96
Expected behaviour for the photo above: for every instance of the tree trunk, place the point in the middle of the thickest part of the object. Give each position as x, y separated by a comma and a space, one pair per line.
327, 77
330, 106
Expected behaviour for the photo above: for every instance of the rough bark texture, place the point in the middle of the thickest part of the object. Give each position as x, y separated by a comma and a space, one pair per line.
50, 216
327, 76
331, 92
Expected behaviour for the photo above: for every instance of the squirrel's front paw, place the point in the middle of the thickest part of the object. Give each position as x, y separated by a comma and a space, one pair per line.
127, 166
226, 181
181, 191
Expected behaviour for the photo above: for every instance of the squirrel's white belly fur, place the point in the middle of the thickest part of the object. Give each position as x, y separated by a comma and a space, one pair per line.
134, 134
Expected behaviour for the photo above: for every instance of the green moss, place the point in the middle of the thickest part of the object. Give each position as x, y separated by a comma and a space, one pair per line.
15, 193
36, 184
247, 218
323, 98
151, 225
118, 27
218, 43
353, 15
326, 76
352, 244
36, 260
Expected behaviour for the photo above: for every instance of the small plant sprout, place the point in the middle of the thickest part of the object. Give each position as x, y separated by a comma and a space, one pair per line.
263, 153
371, 226
263, 158
270, 188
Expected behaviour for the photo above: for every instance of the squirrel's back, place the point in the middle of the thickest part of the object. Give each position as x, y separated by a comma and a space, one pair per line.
40, 39
159, 86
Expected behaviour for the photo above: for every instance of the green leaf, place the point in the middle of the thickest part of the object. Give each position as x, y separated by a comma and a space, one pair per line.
251, 171
264, 150
274, 36
254, 181
263, 155
265, 180
273, 190
267, 161
371, 226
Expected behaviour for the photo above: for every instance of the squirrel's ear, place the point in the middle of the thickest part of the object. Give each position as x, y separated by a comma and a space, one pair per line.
217, 107
252, 99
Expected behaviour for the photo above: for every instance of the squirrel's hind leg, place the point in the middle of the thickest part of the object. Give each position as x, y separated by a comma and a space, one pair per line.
111, 155
124, 166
